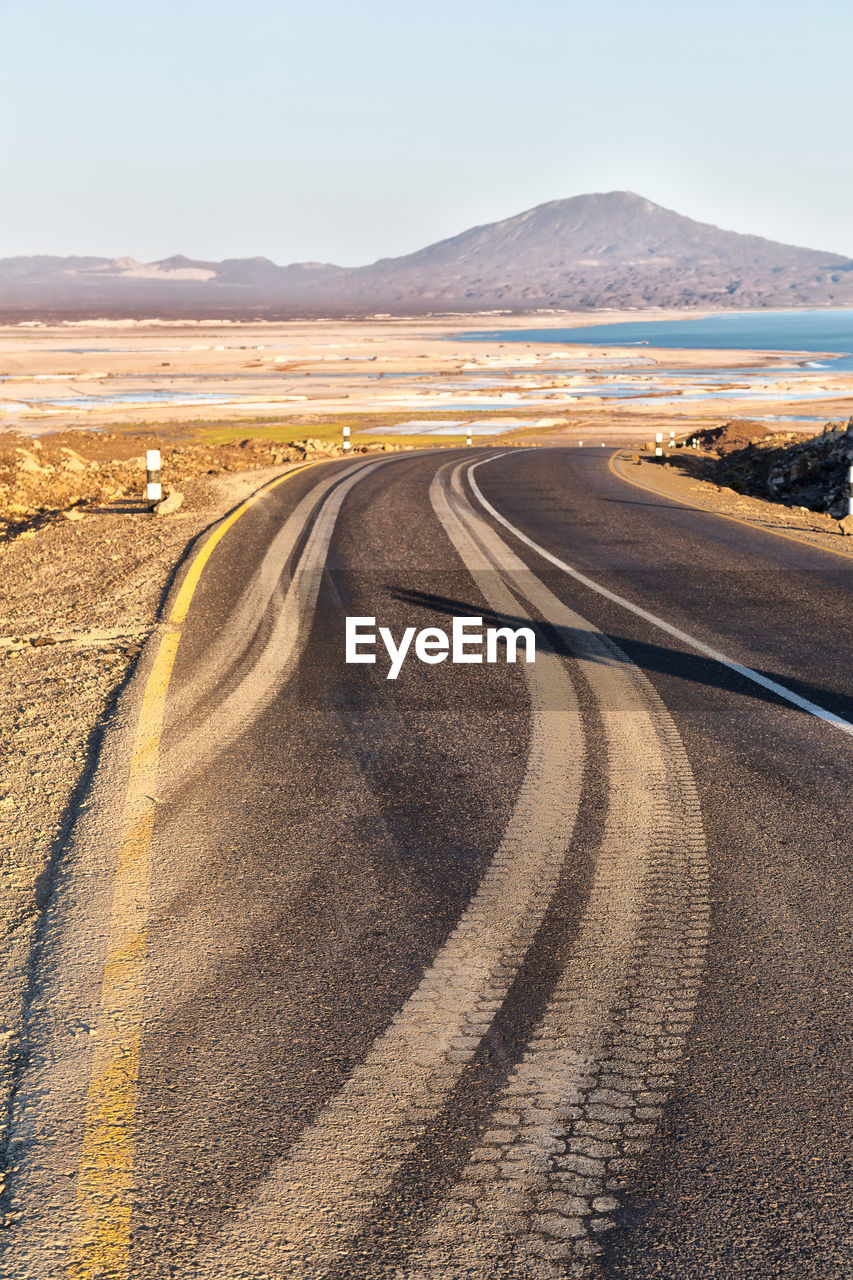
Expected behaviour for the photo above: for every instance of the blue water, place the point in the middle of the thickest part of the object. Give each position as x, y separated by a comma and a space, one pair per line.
802, 331
129, 397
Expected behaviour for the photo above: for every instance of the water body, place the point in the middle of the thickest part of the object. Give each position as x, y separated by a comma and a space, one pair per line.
826, 332
129, 398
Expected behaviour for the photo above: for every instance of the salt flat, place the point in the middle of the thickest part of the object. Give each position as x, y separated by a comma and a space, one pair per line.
93, 373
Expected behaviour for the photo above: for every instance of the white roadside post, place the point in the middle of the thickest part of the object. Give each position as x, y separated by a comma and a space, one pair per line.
659, 444
346, 439
468, 438
153, 487
580, 444
671, 440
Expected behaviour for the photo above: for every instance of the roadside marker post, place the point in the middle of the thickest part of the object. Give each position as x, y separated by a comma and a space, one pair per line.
659, 444
468, 438
671, 444
346, 439
580, 444
153, 487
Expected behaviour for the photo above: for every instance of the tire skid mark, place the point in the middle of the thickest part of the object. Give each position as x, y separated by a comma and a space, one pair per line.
289, 633
262, 592
306, 1215
583, 1103
398, 1219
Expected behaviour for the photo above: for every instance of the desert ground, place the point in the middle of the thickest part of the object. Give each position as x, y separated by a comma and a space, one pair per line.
414, 380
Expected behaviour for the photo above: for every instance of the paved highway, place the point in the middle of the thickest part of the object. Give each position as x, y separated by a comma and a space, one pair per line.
490, 970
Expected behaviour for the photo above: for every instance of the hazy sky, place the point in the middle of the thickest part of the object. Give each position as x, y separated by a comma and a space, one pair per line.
342, 131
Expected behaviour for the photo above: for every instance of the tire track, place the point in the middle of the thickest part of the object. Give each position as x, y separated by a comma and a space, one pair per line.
261, 593
251, 694
582, 1105
314, 1203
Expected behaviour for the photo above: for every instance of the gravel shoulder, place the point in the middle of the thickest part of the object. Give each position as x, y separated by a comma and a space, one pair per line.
815, 528
79, 598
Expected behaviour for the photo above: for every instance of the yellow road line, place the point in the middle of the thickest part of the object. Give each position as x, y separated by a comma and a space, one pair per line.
101, 1247
190, 582
106, 1165
709, 511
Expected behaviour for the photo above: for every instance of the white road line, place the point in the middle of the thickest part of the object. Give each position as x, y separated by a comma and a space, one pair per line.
584, 1100
303, 1219
747, 672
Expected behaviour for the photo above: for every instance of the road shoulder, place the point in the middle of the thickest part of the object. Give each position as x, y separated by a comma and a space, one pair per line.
796, 524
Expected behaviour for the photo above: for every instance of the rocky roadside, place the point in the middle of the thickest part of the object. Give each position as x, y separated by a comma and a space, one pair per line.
782, 478
810, 472
77, 600
65, 475
683, 484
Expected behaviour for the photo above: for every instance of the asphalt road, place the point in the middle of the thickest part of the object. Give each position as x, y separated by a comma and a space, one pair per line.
492, 970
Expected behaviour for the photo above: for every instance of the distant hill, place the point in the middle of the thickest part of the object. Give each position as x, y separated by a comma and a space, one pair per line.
594, 251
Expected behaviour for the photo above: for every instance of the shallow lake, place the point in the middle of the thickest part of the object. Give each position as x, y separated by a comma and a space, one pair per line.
801, 331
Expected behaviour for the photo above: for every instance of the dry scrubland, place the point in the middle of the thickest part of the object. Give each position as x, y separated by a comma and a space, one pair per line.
71, 475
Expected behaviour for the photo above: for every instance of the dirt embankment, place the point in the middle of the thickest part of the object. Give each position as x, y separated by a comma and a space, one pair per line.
65, 476
809, 472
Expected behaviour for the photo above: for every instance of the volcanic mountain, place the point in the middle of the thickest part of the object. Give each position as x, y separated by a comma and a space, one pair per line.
612, 250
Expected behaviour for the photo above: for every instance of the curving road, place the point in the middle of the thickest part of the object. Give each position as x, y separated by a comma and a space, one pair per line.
491, 970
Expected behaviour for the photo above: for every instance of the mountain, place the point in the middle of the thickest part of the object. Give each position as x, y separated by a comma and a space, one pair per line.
608, 250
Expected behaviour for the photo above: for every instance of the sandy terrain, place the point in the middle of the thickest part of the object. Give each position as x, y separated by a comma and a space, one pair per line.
384, 375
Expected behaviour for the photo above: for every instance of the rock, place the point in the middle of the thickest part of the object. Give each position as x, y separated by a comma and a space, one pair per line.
169, 504
845, 526
72, 514
72, 461
29, 462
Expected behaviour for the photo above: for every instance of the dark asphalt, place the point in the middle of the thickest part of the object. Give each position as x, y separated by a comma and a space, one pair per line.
331, 851
307, 869
752, 1174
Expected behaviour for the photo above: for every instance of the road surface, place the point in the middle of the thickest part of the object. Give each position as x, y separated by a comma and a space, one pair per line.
490, 970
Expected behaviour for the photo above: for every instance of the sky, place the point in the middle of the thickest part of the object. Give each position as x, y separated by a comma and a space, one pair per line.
339, 131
